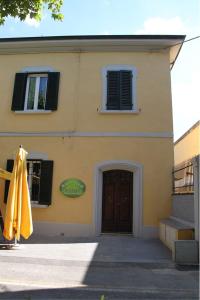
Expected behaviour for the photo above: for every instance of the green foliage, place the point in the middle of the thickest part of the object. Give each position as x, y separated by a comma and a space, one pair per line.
31, 8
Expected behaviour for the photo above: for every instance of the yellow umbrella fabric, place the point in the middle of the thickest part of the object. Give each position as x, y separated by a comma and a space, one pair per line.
18, 217
5, 174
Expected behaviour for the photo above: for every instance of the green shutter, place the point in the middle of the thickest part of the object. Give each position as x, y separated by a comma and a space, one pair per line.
119, 90
19, 91
126, 90
52, 91
113, 90
9, 167
46, 182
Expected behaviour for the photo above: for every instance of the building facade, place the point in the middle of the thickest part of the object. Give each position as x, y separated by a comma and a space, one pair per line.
188, 145
95, 116
187, 176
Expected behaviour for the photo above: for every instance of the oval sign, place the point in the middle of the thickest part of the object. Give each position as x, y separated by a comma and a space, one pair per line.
72, 187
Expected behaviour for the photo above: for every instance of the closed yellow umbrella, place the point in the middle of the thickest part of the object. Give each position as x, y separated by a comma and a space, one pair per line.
18, 217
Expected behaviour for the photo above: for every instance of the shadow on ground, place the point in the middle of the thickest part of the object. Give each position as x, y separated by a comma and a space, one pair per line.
86, 293
117, 267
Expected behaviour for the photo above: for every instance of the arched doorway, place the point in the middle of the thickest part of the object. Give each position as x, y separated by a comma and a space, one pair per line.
136, 170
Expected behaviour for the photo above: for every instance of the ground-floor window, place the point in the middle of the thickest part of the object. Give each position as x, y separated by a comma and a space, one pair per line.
40, 179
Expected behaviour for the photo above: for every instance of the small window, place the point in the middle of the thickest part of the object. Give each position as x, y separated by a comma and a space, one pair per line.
36, 89
36, 92
40, 175
119, 88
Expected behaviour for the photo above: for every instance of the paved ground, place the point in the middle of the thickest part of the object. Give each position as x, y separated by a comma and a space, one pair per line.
116, 267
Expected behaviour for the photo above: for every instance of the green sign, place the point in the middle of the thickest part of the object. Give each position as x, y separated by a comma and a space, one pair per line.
72, 187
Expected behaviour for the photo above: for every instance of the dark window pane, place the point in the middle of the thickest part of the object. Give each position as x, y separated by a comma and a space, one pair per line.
34, 174
42, 93
31, 92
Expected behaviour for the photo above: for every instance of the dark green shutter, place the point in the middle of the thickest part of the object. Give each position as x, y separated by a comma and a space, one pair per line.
126, 90
46, 182
119, 90
19, 91
9, 167
52, 91
113, 90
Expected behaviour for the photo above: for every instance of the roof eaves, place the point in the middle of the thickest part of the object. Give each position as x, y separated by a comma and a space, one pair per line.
94, 37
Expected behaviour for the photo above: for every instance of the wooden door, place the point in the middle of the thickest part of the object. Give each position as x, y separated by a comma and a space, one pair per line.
117, 202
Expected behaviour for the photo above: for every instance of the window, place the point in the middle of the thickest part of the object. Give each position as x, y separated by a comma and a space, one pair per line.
35, 92
119, 89
40, 175
36, 89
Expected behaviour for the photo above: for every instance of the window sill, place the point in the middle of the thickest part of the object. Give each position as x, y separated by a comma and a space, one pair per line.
34, 205
103, 111
33, 111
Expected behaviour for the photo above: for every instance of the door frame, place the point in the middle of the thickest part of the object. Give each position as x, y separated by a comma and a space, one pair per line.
136, 169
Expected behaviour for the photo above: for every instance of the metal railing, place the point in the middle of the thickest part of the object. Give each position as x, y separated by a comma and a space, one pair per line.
183, 178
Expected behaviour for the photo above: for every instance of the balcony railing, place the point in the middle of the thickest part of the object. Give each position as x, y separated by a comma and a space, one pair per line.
183, 178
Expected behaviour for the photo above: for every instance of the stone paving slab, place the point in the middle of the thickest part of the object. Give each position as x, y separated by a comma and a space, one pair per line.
104, 248
117, 267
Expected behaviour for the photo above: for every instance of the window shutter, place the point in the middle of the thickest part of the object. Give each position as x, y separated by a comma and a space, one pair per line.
113, 90
46, 182
9, 167
19, 91
126, 90
52, 91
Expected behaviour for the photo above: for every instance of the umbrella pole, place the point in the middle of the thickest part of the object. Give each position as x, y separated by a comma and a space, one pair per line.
16, 244
15, 240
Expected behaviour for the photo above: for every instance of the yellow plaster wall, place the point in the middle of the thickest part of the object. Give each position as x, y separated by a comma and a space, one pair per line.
80, 93
77, 157
188, 147
80, 96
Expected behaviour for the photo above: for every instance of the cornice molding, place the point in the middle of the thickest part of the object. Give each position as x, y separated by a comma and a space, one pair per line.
87, 134
77, 44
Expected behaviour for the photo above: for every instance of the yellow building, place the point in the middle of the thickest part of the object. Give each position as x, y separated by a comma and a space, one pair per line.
95, 115
186, 177
188, 145
186, 148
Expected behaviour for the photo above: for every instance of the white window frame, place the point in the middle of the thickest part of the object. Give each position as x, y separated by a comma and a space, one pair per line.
37, 85
105, 70
37, 156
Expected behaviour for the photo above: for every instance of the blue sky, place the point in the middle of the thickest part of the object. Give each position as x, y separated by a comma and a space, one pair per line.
84, 17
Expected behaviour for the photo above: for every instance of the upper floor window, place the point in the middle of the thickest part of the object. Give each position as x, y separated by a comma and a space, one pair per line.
35, 91
119, 88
